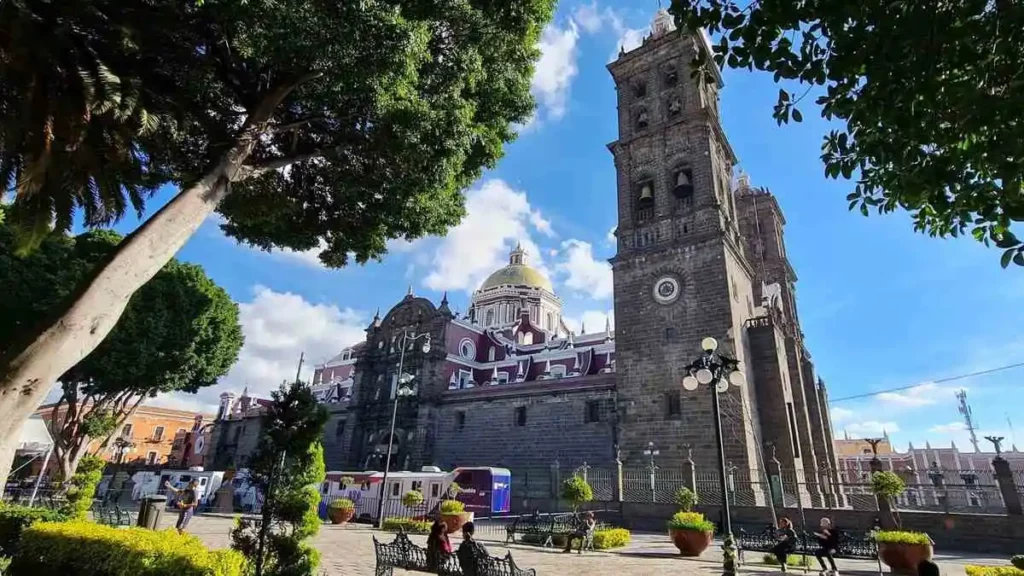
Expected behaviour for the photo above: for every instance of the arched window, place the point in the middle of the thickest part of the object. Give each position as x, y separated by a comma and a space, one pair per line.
528, 338
490, 354
490, 317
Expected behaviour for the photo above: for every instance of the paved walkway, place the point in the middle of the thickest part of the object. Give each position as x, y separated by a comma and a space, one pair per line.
348, 551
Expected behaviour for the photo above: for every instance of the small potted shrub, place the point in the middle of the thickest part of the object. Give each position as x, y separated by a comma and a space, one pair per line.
453, 515
690, 531
1018, 561
900, 550
341, 510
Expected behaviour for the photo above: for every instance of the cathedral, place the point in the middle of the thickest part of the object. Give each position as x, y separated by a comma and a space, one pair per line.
699, 253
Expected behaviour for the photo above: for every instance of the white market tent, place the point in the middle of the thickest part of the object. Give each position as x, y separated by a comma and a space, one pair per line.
35, 441
35, 438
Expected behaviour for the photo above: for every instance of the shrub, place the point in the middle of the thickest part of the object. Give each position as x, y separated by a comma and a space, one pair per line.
82, 487
89, 549
902, 537
452, 507
346, 481
342, 504
993, 571
407, 525
1018, 561
797, 561
412, 498
690, 521
577, 491
5, 563
686, 498
888, 486
611, 538
14, 519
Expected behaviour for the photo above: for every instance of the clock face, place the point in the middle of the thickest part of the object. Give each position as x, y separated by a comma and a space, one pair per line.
666, 290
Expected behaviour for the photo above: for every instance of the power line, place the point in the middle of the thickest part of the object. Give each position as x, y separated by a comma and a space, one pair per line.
939, 381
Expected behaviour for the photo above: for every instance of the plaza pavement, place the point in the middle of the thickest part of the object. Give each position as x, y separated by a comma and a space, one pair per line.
348, 551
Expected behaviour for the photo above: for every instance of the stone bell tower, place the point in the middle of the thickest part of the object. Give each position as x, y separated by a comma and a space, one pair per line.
680, 270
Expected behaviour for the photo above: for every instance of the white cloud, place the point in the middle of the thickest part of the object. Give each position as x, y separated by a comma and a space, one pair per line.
950, 428
841, 415
870, 428
610, 238
584, 273
918, 396
278, 327
628, 38
555, 69
592, 320
497, 217
589, 17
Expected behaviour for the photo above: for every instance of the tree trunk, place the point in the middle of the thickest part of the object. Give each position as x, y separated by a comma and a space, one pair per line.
28, 373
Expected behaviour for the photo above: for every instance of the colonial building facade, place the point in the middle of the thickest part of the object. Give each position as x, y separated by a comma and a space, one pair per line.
699, 254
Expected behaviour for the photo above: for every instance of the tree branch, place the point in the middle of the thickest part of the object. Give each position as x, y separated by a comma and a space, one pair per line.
259, 168
289, 126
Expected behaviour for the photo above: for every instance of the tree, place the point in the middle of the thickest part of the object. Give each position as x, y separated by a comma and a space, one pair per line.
81, 488
576, 491
334, 126
887, 486
930, 94
287, 468
180, 332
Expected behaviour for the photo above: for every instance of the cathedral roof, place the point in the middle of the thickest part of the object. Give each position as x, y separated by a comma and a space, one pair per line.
517, 273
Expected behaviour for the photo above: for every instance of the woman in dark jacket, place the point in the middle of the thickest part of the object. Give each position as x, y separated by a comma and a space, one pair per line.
438, 545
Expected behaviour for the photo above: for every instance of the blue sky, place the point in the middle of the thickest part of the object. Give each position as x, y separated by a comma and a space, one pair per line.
881, 306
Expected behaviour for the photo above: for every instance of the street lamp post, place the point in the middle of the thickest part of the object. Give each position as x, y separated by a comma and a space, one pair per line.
121, 445
401, 391
717, 371
652, 468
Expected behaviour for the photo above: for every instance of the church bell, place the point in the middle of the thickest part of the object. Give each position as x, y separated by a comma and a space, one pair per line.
646, 194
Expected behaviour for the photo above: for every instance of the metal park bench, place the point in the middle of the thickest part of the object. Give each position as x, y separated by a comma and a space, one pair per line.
405, 555
857, 545
548, 527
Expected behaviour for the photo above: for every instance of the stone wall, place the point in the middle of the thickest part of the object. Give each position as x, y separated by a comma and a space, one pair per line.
481, 427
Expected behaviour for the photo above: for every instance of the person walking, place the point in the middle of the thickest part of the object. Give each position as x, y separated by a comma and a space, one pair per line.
786, 544
187, 500
470, 552
828, 543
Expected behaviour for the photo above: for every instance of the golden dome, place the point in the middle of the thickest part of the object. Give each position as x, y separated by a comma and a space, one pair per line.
517, 273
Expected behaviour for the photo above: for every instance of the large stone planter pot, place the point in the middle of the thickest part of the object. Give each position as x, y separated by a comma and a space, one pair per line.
691, 542
904, 558
453, 522
340, 515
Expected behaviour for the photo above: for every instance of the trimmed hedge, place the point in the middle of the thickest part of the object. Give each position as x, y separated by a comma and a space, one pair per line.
88, 549
901, 537
794, 560
611, 538
409, 525
1018, 561
14, 520
993, 571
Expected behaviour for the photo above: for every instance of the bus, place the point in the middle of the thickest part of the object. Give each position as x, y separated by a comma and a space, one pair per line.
483, 490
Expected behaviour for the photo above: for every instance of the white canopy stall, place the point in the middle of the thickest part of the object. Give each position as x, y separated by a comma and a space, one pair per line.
35, 441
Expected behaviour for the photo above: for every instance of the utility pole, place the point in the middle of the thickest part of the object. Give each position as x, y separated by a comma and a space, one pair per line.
298, 372
965, 410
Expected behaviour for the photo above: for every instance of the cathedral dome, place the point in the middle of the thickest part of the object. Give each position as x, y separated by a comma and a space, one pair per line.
517, 273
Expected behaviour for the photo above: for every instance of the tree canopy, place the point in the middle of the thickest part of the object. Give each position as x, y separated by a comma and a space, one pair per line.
180, 332
392, 109
930, 94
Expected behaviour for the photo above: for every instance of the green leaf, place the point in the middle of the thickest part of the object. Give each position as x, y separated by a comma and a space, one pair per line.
1007, 257
783, 95
797, 116
1018, 259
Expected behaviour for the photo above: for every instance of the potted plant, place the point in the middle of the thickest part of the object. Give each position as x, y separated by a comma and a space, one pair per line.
690, 531
341, 510
900, 550
453, 515
576, 491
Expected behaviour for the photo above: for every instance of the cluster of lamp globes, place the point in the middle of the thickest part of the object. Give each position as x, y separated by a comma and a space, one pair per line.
406, 378
704, 376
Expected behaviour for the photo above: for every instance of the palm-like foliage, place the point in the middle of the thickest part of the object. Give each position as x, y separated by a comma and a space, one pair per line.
69, 140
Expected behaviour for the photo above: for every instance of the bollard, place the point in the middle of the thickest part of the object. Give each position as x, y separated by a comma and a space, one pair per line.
151, 509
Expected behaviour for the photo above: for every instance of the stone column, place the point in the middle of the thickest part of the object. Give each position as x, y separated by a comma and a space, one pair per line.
556, 481
617, 481
778, 490
1007, 486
